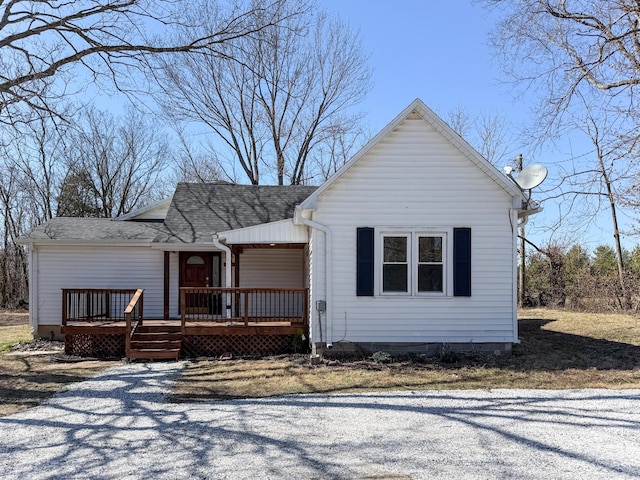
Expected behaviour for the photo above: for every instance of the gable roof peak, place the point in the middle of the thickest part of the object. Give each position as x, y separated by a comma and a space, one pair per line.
417, 109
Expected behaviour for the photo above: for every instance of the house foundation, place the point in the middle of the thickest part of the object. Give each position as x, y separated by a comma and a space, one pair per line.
426, 348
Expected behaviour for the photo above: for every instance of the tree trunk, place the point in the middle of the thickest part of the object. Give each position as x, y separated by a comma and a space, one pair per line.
627, 304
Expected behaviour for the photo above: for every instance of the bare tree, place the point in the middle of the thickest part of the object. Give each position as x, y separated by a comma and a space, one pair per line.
41, 43
120, 164
195, 162
286, 91
36, 154
608, 177
334, 152
13, 267
563, 48
582, 59
487, 133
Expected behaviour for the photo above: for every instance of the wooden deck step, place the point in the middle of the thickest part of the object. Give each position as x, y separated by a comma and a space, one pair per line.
154, 354
158, 329
150, 337
156, 344
159, 342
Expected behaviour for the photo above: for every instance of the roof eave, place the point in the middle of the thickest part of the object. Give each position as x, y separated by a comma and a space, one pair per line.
72, 242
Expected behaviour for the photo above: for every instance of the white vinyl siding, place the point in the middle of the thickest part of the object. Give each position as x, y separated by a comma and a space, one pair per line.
276, 232
97, 267
415, 180
272, 268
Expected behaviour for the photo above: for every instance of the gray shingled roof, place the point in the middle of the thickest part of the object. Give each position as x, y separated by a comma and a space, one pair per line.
199, 210
74, 228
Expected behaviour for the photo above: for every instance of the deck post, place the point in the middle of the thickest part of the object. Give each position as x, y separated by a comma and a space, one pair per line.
64, 307
166, 285
246, 309
136, 301
127, 318
183, 311
141, 309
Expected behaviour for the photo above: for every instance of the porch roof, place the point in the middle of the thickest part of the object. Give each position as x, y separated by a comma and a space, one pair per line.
283, 231
200, 210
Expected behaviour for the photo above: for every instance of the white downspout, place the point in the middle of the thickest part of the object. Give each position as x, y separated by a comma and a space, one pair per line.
33, 289
298, 218
227, 267
514, 270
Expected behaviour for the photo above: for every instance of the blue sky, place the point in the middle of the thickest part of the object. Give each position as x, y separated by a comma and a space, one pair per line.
439, 52
433, 50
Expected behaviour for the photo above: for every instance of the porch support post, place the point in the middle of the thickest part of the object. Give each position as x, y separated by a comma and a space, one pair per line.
166, 285
236, 266
236, 274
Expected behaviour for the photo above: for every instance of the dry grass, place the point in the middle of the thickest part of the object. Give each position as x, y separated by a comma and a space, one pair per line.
28, 378
26, 381
12, 334
558, 350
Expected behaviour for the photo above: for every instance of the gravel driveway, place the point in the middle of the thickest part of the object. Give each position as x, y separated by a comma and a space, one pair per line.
117, 426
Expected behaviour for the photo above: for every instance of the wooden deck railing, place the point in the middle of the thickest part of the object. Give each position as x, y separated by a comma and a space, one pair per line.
244, 305
96, 304
133, 309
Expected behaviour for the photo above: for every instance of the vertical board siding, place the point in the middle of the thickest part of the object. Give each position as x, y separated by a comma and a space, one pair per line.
416, 179
98, 267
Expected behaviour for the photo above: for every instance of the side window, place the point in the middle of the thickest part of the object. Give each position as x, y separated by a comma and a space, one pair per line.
415, 262
431, 264
395, 264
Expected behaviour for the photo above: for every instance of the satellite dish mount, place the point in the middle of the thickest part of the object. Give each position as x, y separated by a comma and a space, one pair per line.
531, 176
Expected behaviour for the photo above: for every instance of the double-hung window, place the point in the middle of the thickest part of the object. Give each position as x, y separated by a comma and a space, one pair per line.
395, 263
414, 263
430, 256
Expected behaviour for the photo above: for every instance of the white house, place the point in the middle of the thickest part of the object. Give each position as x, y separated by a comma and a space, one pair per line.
409, 246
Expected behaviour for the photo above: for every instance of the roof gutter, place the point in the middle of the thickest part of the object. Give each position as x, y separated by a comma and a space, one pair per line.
299, 219
217, 242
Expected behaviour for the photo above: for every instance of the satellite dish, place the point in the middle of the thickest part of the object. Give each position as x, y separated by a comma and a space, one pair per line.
531, 176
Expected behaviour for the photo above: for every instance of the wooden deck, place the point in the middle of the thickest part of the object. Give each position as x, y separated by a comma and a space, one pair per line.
233, 326
260, 320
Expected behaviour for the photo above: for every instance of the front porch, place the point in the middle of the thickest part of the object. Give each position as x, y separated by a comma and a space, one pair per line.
213, 321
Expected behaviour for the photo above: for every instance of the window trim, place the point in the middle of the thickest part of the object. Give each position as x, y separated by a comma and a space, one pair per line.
416, 262
413, 234
408, 262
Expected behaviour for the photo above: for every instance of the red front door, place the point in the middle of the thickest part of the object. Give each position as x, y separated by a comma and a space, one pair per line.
195, 269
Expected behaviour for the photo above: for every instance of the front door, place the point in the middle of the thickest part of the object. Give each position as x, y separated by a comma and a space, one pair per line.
197, 270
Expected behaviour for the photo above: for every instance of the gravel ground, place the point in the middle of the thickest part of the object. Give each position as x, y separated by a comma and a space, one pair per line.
118, 426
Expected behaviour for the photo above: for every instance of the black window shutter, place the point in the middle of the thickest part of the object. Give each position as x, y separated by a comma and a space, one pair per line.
461, 262
364, 267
